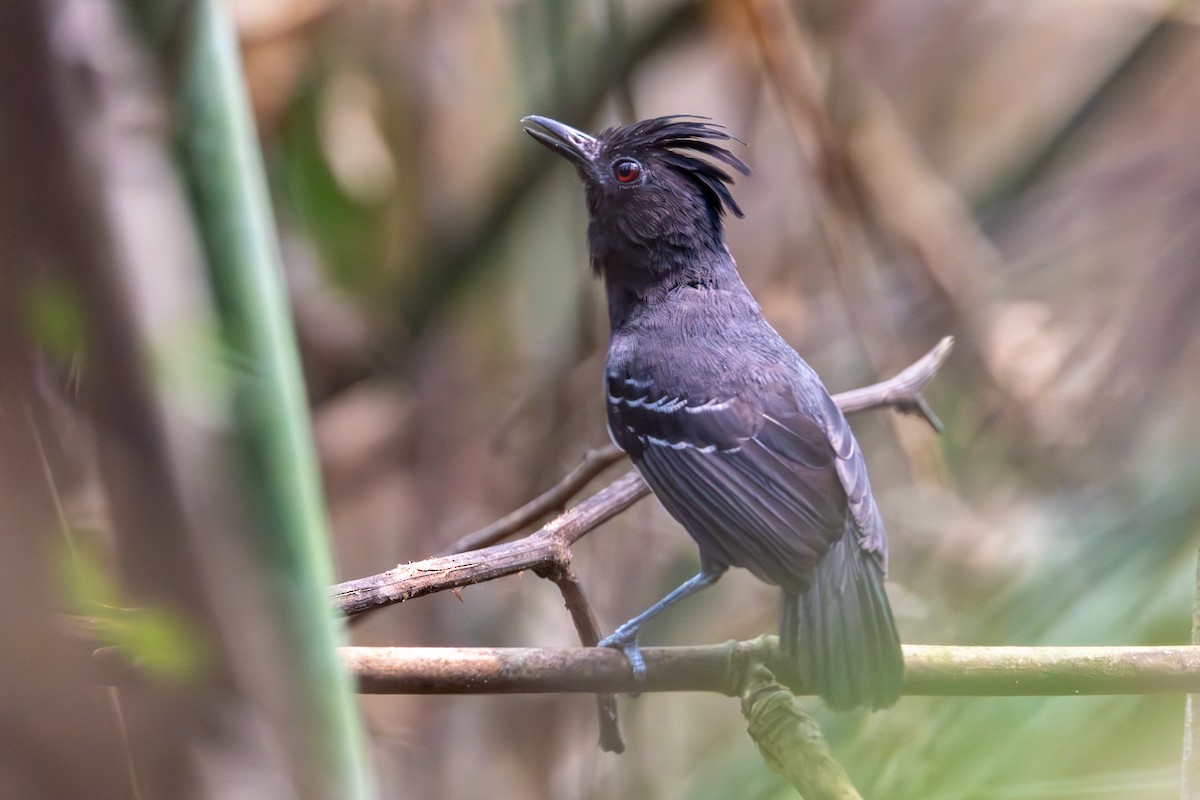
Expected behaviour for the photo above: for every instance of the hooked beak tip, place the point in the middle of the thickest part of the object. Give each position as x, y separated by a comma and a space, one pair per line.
568, 142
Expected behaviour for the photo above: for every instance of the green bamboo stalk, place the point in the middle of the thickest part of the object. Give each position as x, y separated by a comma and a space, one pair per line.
219, 153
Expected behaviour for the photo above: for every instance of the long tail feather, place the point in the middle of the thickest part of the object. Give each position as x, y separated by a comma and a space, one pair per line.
841, 632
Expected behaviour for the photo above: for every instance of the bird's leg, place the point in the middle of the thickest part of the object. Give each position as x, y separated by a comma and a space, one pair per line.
624, 638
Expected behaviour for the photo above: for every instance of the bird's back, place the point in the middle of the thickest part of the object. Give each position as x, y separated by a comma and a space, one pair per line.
726, 423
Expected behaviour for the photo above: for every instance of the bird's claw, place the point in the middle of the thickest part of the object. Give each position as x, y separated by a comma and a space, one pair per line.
626, 642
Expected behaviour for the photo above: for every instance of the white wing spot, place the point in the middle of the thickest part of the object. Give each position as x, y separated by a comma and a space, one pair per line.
666, 405
663, 405
678, 445
711, 405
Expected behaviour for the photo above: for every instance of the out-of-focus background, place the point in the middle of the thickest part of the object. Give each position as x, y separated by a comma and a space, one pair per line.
1021, 175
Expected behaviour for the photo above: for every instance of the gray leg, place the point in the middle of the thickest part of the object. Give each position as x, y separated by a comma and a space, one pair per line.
624, 638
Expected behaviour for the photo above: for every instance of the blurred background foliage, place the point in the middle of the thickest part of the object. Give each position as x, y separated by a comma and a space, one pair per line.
1022, 175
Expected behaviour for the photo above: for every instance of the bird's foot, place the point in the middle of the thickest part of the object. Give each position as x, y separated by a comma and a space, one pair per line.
625, 640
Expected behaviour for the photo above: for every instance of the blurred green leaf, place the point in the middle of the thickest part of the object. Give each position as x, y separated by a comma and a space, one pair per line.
56, 320
345, 232
158, 640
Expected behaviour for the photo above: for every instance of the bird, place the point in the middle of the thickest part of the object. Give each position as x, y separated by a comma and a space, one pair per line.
732, 430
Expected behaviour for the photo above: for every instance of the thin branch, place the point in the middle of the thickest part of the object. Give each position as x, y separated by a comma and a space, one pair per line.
548, 547
929, 670
588, 628
545, 548
902, 391
554, 561
553, 499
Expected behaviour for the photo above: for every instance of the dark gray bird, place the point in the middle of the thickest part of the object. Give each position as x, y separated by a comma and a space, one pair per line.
732, 430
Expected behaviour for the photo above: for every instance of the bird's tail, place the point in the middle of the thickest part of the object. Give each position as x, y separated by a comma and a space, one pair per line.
841, 633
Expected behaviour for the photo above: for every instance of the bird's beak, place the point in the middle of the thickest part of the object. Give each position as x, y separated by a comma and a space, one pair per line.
569, 143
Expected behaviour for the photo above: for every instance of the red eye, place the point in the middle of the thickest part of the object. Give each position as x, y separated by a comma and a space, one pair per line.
627, 171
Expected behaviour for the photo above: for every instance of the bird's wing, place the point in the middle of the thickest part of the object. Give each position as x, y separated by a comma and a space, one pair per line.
852, 473
757, 482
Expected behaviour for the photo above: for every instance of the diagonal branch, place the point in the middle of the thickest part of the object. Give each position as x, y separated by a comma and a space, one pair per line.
553, 499
547, 548
903, 391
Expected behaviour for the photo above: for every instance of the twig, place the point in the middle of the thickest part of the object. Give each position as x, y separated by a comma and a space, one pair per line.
929, 670
559, 569
548, 547
903, 391
588, 629
553, 499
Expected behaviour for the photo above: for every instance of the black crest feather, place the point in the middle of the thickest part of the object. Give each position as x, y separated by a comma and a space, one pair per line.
675, 139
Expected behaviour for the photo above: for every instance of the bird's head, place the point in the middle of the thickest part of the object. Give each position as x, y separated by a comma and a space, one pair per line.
651, 187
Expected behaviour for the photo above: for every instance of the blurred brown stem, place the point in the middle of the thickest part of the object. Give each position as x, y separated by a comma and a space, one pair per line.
456, 252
